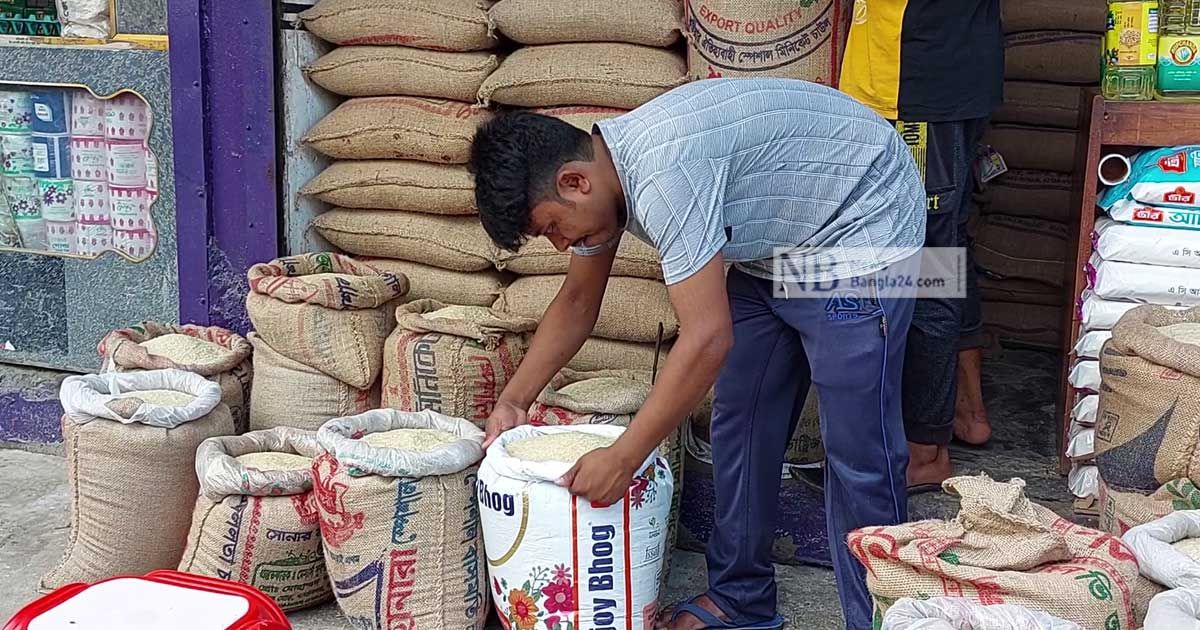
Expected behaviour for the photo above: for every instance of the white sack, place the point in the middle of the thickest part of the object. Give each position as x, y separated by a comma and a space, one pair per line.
1082, 443
336, 436
1085, 375
1146, 245
1084, 480
85, 398
1090, 343
1140, 214
1084, 412
1157, 559
1149, 284
1098, 313
221, 474
952, 613
1177, 609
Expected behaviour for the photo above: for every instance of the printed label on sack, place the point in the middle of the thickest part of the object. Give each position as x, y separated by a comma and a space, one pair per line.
728, 44
1135, 213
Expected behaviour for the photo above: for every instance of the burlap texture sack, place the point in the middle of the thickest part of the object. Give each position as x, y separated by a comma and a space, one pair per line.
535, 22
1122, 510
396, 185
452, 287
538, 257
631, 311
794, 40
804, 446
1021, 248
1023, 325
1019, 291
1148, 422
397, 71
258, 527
327, 311
132, 480
1036, 15
120, 350
429, 24
599, 353
614, 400
1038, 194
607, 75
1040, 104
288, 393
1053, 56
1002, 548
456, 367
455, 243
398, 128
1034, 148
401, 529
580, 117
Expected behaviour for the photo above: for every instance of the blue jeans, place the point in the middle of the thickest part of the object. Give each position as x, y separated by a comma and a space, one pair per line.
852, 348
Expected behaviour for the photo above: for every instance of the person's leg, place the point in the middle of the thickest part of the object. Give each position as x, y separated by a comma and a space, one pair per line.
756, 392
855, 345
971, 423
932, 355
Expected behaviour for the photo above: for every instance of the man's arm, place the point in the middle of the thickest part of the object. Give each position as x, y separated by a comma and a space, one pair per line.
705, 336
565, 325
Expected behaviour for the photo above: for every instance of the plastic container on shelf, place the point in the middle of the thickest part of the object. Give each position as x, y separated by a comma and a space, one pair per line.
1130, 50
160, 599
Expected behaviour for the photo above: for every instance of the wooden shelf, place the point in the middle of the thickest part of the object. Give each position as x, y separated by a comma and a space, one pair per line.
1123, 127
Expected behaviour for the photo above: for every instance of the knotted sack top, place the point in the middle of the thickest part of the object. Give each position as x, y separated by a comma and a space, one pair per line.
302, 279
1139, 333
617, 392
122, 348
222, 475
485, 325
340, 436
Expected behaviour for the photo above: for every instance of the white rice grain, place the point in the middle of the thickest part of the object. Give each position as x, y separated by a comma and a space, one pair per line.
270, 462
419, 440
163, 397
566, 446
185, 349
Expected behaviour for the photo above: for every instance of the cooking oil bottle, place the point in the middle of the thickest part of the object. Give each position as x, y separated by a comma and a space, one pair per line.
1178, 72
1131, 50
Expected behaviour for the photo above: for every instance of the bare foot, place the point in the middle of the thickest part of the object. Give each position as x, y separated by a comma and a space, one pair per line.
687, 621
971, 423
928, 464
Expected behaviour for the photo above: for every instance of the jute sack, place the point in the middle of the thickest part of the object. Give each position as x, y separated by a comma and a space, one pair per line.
599, 397
452, 287
607, 75
1053, 56
580, 116
538, 257
259, 527
131, 471
401, 528
327, 311
794, 40
292, 394
394, 70
599, 353
396, 185
533, 22
1022, 248
1148, 422
430, 24
1002, 548
398, 128
1034, 148
1040, 104
456, 243
1019, 291
1024, 325
1039, 194
1122, 510
631, 311
121, 352
456, 364
1036, 15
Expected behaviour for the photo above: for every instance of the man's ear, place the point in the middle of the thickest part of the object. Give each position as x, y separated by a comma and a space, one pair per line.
572, 180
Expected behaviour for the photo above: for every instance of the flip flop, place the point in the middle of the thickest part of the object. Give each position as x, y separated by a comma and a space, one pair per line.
713, 622
924, 488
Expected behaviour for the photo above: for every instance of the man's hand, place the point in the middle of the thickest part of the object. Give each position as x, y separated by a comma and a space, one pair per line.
602, 476
504, 416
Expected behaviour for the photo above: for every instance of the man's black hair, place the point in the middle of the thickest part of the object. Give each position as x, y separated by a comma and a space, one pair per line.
515, 158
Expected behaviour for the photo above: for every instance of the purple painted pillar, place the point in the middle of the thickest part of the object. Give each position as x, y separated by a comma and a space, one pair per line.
223, 102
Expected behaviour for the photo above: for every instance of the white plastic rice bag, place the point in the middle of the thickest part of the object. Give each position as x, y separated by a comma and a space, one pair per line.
1146, 245
1098, 313
1148, 284
1143, 215
1169, 176
1177, 609
953, 613
1081, 443
1089, 344
1084, 412
1085, 375
1084, 480
554, 557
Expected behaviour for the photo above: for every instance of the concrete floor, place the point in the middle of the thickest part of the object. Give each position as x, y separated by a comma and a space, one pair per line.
1019, 387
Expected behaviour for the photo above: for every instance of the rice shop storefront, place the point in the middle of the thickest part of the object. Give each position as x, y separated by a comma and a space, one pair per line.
102, 225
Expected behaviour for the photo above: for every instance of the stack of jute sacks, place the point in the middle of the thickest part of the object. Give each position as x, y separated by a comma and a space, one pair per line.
1051, 55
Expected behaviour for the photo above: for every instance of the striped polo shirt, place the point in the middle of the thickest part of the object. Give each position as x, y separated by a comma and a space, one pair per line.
750, 167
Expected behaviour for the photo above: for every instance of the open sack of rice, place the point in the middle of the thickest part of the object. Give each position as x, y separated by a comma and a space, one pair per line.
631, 311
293, 394
130, 442
396, 499
1002, 548
556, 556
255, 521
1167, 551
453, 360
1148, 421
327, 311
220, 355
953, 613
